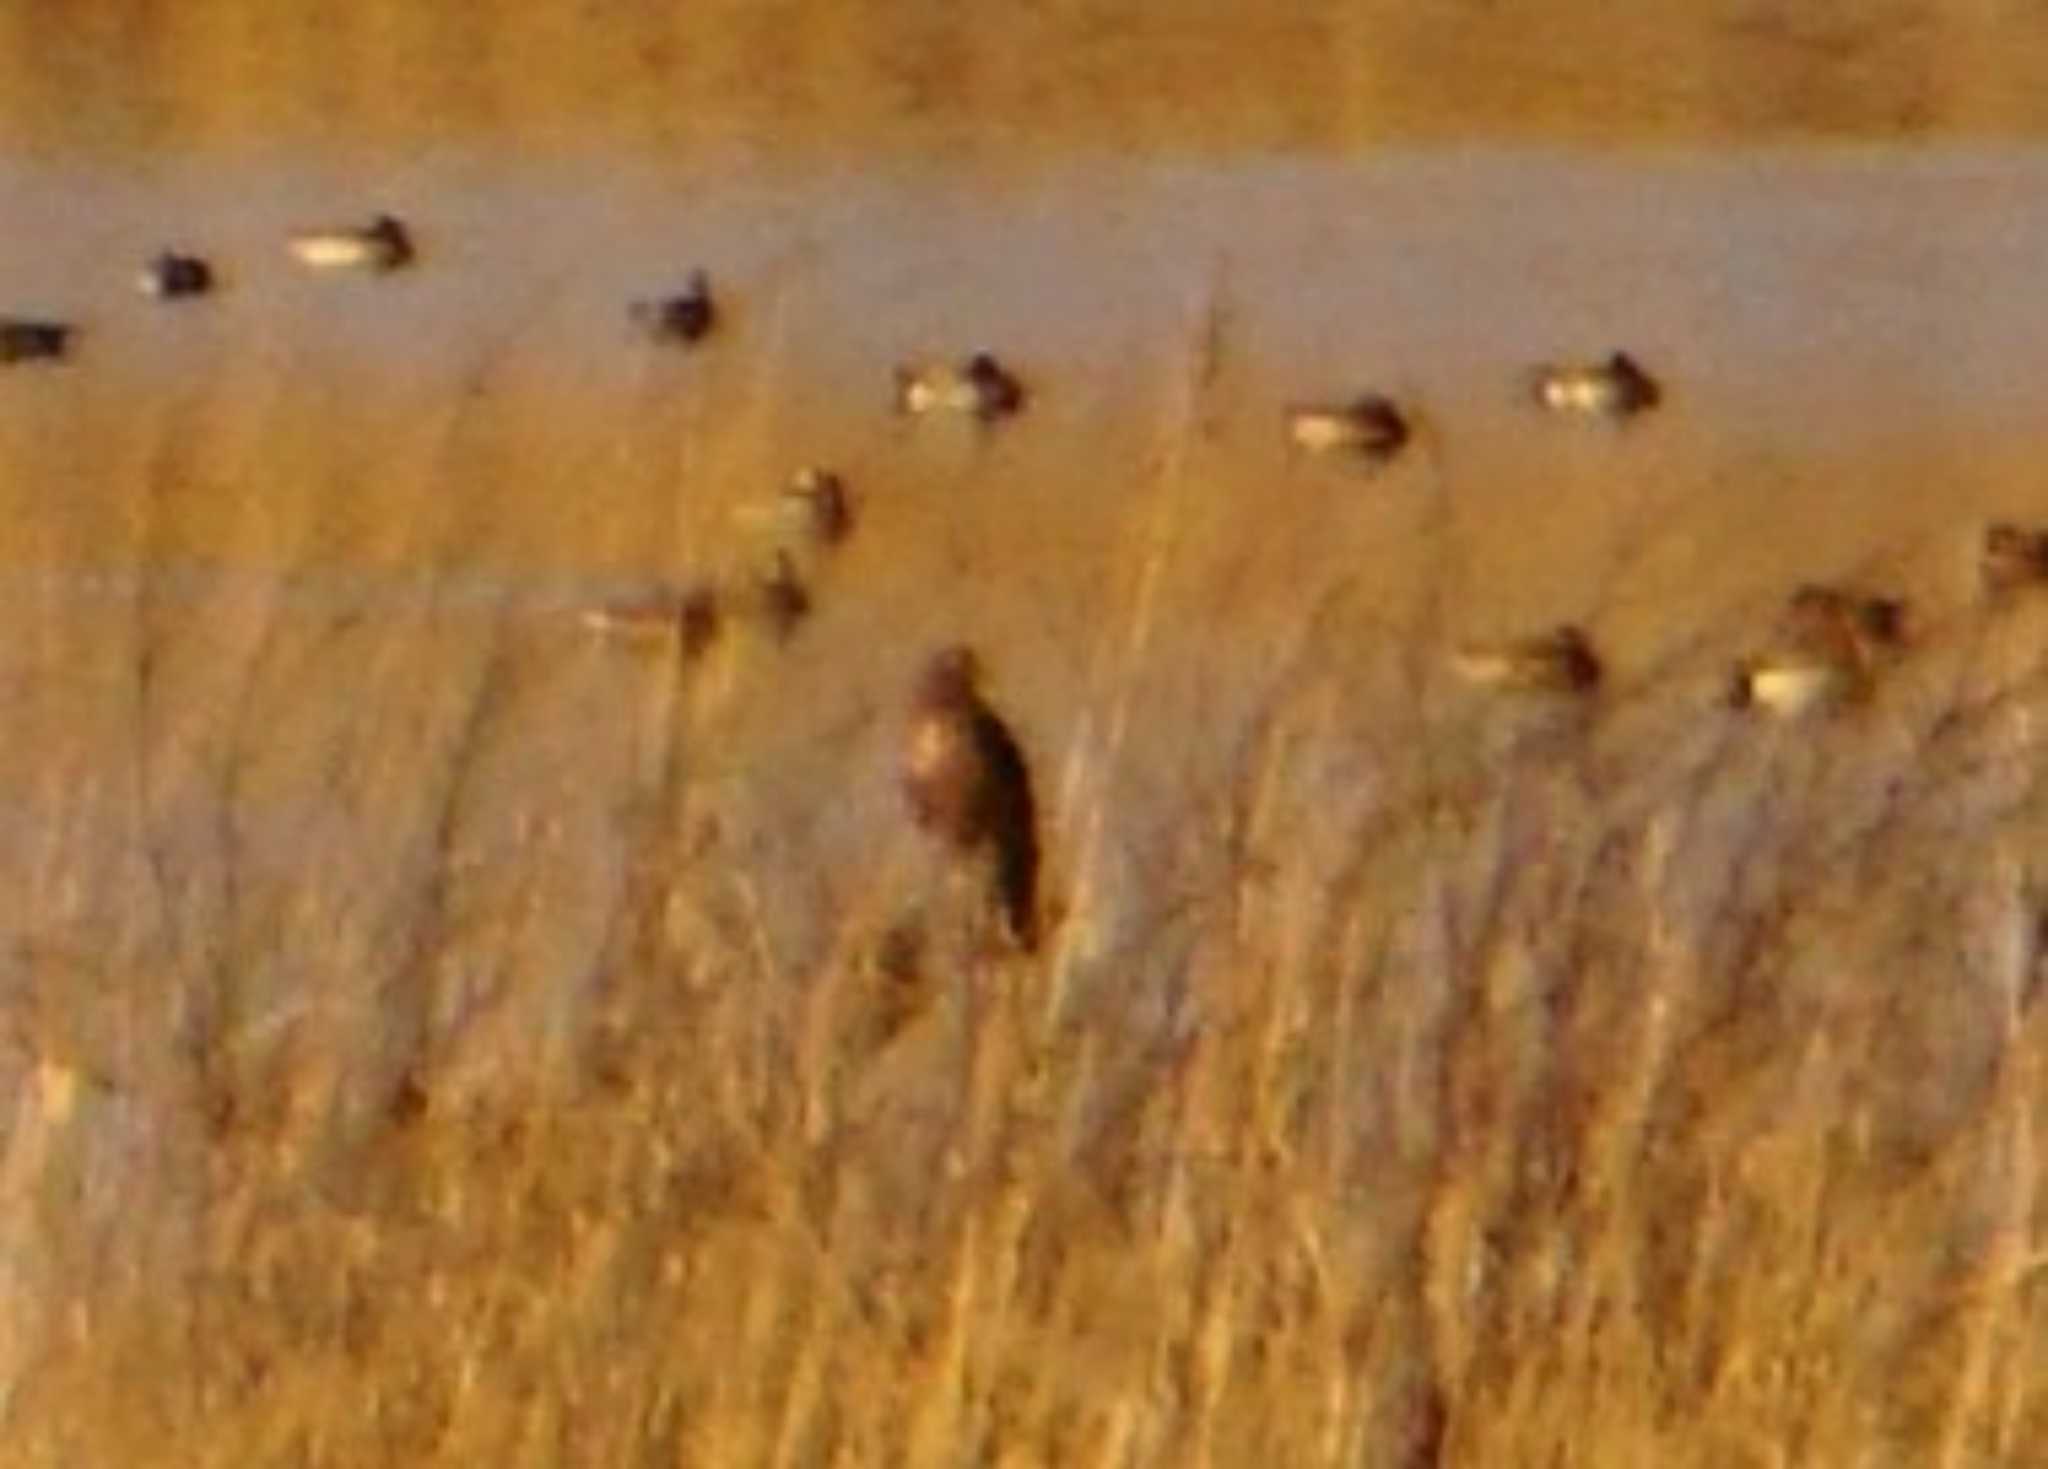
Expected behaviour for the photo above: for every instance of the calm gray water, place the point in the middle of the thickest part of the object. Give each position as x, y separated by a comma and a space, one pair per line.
1776, 285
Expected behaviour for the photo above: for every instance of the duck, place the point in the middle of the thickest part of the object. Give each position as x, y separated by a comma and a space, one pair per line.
1832, 642
171, 276
781, 598
384, 244
1370, 428
2013, 556
980, 387
684, 318
819, 499
1616, 389
1561, 661
24, 339
1852, 625
1791, 684
692, 616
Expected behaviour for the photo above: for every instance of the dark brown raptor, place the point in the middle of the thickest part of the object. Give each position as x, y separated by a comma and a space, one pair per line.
969, 787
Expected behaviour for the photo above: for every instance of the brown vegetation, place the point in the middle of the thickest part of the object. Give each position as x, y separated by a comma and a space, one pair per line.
436, 1041
433, 1035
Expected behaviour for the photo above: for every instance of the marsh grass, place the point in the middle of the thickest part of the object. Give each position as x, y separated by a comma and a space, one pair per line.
434, 1039
1527, 1133
1683, 1115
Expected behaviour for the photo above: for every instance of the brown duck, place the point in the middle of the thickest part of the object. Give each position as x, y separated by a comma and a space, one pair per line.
1561, 661
968, 786
819, 497
1831, 645
684, 318
2014, 556
1846, 627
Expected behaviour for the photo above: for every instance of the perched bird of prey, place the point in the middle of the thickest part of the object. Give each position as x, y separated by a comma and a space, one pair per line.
967, 785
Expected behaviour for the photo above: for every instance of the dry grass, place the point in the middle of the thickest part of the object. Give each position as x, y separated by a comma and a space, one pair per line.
1645, 1107
445, 1073
430, 1039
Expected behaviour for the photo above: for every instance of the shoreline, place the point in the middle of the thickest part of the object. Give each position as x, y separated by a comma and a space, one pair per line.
792, 79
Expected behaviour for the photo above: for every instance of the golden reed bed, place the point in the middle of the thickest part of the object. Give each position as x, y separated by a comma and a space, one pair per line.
433, 1038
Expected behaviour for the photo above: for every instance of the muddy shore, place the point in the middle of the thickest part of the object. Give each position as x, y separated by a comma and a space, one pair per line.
1008, 89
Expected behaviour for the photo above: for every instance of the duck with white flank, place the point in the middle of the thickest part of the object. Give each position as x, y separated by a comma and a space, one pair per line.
384, 244
1369, 430
981, 388
691, 617
1831, 644
1561, 661
781, 599
1617, 389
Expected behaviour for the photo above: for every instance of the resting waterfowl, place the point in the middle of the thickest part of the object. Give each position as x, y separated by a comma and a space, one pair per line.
1790, 684
692, 617
26, 340
1849, 626
684, 318
1371, 429
967, 785
1561, 661
1616, 389
1831, 644
782, 598
384, 244
170, 276
981, 387
2014, 556
818, 497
